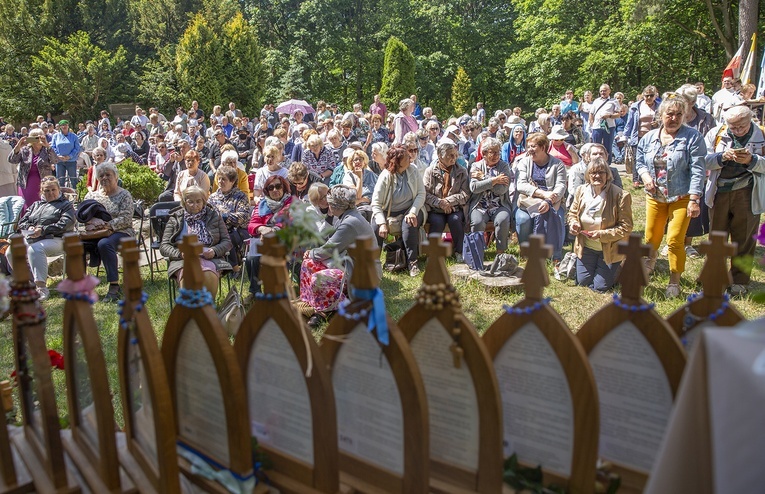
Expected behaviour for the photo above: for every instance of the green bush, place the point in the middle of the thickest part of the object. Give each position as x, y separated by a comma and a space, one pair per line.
142, 183
398, 73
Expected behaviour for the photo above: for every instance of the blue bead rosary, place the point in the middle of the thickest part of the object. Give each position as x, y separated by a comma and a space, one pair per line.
632, 308
84, 296
270, 296
194, 299
125, 324
356, 316
524, 311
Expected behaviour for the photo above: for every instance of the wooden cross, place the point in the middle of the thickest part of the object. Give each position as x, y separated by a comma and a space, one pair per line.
365, 255
192, 266
535, 277
273, 264
633, 276
436, 251
715, 276
131, 272
75, 260
21, 272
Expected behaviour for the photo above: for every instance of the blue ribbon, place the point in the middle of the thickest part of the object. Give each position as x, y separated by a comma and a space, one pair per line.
377, 318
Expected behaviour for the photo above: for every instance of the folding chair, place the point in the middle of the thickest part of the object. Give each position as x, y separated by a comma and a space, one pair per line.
10, 214
158, 216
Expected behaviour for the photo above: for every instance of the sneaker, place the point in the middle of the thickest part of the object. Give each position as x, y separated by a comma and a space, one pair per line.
673, 290
413, 269
738, 289
665, 251
691, 252
458, 258
43, 292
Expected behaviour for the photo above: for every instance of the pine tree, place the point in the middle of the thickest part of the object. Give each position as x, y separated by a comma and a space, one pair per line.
244, 75
201, 63
461, 89
398, 73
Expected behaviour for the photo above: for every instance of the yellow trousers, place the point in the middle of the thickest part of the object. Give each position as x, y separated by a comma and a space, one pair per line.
675, 216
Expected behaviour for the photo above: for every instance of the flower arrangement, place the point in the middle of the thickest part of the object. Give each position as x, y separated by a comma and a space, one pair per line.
299, 230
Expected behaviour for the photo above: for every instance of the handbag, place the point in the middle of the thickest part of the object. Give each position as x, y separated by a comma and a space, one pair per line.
394, 222
473, 249
629, 159
231, 313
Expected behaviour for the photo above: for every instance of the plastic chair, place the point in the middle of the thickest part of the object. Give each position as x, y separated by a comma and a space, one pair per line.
10, 214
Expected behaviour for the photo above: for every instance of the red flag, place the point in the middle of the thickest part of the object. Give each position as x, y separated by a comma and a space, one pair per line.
733, 69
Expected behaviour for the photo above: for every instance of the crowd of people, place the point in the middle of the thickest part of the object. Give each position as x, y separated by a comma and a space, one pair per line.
393, 174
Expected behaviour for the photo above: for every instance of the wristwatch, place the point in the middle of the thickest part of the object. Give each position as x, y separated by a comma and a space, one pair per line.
697, 201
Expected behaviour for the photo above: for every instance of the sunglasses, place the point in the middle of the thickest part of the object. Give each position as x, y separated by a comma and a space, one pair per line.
274, 187
412, 150
649, 95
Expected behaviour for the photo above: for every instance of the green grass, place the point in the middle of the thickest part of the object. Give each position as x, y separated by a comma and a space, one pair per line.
575, 304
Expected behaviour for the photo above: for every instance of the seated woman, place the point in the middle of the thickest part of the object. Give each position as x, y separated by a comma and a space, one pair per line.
44, 225
600, 217
195, 216
492, 184
234, 207
230, 158
268, 215
321, 279
120, 205
515, 145
541, 189
272, 157
301, 179
192, 175
446, 194
561, 149
400, 192
317, 197
358, 176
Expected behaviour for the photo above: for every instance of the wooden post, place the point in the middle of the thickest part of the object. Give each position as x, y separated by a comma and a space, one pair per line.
192, 266
436, 251
715, 276
535, 277
365, 253
273, 265
633, 270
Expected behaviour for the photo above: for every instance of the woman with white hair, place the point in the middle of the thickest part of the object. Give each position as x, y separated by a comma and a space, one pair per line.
318, 158
404, 122
326, 268
120, 205
379, 156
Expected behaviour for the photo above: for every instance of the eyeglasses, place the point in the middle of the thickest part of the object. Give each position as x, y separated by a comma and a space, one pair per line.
739, 126
273, 187
597, 174
651, 95
412, 150
492, 152
423, 138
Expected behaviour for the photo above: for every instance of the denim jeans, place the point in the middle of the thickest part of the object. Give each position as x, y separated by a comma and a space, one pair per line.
600, 136
593, 272
66, 169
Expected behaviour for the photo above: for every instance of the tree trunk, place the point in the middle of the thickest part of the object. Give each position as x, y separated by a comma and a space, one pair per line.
747, 20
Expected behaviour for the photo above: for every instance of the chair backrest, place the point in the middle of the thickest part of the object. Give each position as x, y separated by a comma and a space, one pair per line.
10, 213
158, 215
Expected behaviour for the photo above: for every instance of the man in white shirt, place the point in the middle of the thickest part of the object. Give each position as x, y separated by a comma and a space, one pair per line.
480, 114
703, 101
139, 118
724, 99
604, 110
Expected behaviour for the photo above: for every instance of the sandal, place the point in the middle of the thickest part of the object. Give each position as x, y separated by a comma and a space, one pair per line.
317, 320
673, 290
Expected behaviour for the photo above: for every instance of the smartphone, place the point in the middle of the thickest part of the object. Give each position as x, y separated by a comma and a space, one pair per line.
740, 151
33, 139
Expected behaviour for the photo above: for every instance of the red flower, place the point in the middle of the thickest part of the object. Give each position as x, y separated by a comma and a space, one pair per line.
56, 359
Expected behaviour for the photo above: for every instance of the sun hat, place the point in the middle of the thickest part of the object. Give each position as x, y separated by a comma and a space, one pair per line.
557, 133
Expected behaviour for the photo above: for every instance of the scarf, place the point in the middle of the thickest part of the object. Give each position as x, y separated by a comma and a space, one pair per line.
446, 176
276, 206
195, 224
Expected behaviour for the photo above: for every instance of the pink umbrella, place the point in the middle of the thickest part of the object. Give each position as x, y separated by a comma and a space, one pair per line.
290, 106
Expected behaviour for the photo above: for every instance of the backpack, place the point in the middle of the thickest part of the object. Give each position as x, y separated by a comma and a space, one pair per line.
473, 249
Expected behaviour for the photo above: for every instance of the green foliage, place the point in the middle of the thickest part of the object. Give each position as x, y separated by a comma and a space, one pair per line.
200, 62
157, 82
77, 76
461, 89
398, 73
215, 66
142, 183
244, 75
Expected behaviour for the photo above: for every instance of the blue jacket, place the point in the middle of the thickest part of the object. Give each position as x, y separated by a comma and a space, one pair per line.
686, 160
632, 126
66, 145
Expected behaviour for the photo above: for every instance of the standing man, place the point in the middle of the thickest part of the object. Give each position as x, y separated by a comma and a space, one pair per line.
702, 100
480, 114
232, 112
602, 118
378, 107
723, 99
67, 148
568, 103
735, 190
